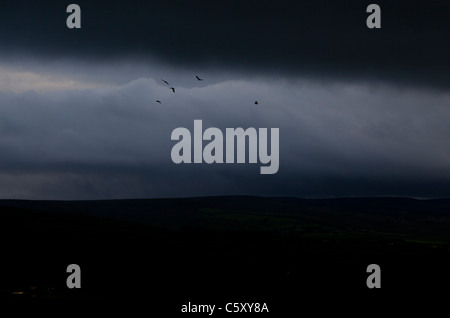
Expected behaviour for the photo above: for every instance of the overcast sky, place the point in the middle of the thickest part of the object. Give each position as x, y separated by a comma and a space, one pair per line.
361, 112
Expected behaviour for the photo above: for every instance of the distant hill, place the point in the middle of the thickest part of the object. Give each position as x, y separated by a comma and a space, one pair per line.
401, 215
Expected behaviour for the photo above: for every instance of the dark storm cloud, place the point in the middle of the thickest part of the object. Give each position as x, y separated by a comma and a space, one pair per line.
78, 117
320, 37
113, 141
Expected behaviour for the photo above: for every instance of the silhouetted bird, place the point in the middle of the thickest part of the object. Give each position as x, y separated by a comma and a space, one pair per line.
198, 78
165, 81
173, 89
158, 101
256, 102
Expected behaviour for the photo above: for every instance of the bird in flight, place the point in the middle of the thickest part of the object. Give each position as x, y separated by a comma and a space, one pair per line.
158, 101
198, 78
256, 102
165, 81
173, 89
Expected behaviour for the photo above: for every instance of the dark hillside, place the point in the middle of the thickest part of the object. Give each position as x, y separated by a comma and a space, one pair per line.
167, 252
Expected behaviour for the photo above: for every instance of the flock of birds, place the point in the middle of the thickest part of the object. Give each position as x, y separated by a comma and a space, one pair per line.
173, 88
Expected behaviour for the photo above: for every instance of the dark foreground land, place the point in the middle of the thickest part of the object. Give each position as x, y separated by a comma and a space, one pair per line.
297, 256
